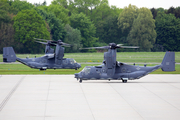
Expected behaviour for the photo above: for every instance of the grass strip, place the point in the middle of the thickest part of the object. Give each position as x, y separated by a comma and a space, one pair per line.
126, 57
20, 69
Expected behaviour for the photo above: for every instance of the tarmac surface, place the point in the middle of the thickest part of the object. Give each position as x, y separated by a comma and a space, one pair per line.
62, 97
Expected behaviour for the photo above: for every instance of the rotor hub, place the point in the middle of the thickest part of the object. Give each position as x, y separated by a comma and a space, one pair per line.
59, 42
112, 45
52, 42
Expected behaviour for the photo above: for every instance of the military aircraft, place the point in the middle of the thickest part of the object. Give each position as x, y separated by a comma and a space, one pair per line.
114, 70
50, 60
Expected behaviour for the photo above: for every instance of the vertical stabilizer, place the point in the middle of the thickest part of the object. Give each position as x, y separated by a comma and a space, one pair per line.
168, 63
9, 54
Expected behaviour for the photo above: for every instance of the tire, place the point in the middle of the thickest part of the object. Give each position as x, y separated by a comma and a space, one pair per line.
124, 81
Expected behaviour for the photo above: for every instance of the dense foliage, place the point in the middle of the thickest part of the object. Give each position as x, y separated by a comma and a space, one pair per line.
143, 32
87, 28
168, 29
28, 24
87, 23
73, 36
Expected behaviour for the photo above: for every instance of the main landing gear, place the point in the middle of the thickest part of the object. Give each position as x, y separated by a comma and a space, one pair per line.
124, 81
80, 80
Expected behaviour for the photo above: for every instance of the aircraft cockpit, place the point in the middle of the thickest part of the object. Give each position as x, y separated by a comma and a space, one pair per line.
72, 61
86, 70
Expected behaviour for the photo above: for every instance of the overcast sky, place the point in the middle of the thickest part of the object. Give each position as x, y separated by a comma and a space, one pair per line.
139, 3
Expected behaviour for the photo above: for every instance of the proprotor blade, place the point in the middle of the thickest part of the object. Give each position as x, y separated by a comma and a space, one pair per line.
103, 47
129, 46
119, 44
46, 43
65, 44
42, 39
41, 42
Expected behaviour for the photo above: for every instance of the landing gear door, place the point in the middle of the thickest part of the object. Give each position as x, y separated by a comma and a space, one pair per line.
126, 73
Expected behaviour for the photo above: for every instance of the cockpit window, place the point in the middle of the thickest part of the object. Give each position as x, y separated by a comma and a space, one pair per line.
72, 61
86, 70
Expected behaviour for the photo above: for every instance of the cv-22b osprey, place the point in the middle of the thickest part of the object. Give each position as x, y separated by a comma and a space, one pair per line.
114, 70
50, 60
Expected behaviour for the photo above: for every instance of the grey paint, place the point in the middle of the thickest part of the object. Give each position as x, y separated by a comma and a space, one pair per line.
48, 61
114, 70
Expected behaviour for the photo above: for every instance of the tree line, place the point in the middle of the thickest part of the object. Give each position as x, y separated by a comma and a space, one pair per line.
84, 23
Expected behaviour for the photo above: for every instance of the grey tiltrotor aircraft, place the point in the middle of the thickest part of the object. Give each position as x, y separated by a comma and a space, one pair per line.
114, 70
50, 60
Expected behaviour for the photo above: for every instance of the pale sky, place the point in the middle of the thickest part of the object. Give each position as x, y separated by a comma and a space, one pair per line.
166, 4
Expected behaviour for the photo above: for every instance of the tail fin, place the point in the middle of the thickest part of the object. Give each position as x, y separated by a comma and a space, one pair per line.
168, 63
9, 54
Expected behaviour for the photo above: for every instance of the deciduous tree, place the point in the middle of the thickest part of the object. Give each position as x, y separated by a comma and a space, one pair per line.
127, 17
60, 12
56, 26
87, 28
28, 24
20, 5
4, 17
143, 32
168, 31
73, 37
6, 36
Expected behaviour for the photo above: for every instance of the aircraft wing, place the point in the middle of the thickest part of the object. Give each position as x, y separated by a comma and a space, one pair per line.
49, 56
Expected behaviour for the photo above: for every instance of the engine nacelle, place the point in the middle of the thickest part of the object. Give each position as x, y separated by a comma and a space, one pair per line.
110, 61
59, 54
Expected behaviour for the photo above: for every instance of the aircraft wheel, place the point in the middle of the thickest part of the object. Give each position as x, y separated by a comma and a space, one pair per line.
80, 81
124, 81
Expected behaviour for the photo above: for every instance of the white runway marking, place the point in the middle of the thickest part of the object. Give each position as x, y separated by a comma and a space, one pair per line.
59, 97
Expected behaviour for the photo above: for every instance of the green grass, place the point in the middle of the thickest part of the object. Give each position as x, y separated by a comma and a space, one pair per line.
12, 69
127, 57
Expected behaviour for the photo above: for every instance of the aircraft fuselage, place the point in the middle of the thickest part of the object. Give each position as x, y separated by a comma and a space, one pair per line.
44, 63
123, 72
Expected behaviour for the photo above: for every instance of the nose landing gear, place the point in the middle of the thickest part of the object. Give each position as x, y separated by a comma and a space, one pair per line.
80, 80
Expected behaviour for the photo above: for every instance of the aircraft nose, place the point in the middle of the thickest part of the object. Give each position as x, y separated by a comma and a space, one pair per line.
77, 75
78, 65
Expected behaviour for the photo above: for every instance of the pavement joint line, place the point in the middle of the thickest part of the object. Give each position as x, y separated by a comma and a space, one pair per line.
87, 101
168, 83
47, 99
4, 102
159, 96
126, 101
